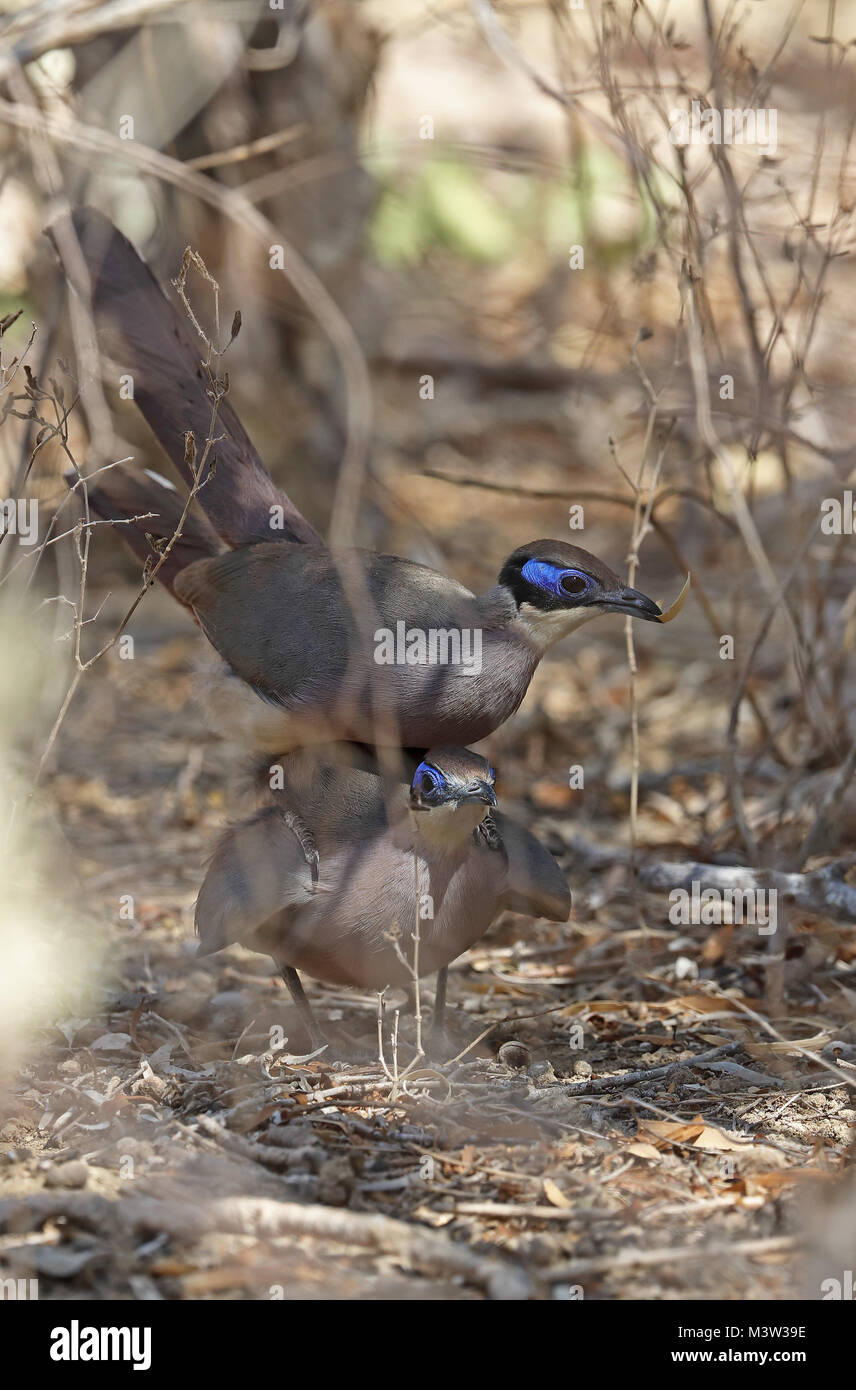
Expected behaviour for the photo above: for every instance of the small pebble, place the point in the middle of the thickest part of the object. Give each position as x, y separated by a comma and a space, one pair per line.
515, 1054
336, 1181
543, 1073
73, 1174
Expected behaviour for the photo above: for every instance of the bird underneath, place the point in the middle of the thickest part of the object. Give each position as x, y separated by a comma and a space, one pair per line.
409, 877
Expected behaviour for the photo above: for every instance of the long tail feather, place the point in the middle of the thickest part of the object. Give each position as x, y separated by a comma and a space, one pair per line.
143, 331
123, 494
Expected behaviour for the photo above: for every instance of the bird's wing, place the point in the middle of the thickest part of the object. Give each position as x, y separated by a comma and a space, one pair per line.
535, 883
257, 870
293, 621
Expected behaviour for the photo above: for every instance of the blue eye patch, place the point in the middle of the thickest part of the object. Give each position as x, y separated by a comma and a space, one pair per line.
564, 583
428, 781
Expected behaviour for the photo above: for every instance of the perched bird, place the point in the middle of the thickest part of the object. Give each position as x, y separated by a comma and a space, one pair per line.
435, 856
327, 645
286, 620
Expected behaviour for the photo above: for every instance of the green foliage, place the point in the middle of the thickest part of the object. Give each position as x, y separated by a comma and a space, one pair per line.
485, 217
444, 204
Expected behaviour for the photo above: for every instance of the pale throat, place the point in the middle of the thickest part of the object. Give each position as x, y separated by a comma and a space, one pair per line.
448, 827
543, 629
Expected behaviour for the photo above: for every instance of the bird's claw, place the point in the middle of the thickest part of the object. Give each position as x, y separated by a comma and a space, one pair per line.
304, 837
488, 832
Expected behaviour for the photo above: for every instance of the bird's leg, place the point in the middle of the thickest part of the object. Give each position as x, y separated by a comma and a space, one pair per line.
438, 1018
304, 837
438, 1039
341, 1043
304, 1008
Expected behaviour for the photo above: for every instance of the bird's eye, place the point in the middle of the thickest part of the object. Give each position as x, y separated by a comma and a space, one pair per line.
573, 583
491, 772
426, 780
553, 579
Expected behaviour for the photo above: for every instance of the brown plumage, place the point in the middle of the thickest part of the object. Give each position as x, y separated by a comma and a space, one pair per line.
144, 332
258, 889
298, 624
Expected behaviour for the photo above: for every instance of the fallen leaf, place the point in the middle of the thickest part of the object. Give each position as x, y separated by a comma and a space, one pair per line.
713, 950
112, 1042
555, 1196
695, 1133
813, 1044
716, 1140
639, 1149
434, 1218
668, 1132
775, 1181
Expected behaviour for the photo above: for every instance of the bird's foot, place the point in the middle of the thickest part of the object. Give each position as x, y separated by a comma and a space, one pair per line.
339, 1045
346, 1048
441, 1045
488, 833
304, 837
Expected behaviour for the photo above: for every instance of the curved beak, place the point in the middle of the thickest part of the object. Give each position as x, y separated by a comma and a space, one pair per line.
633, 603
478, 791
